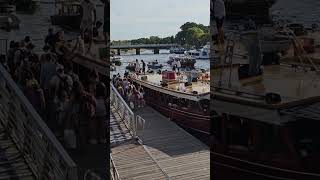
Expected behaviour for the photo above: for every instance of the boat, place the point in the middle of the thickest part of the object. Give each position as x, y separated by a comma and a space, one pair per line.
186, 61
203, 53
177, 51
264, 123
183, 98
154, 65
68, 14
131, 66
8, 18
272, 42
257, 10
116, 60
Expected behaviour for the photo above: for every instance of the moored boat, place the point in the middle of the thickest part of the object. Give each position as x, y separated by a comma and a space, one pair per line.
68, 14
154, 65
183, 98
186, 61
116, 60
264, 119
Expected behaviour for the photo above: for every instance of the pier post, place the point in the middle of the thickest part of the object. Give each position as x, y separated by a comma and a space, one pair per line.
156, 51
138, 51
118, 52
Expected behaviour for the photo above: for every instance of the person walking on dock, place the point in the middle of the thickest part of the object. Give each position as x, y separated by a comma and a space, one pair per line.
219, 13
89, 17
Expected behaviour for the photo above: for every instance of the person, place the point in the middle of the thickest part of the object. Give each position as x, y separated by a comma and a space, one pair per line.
27, 40
174, 65
219, 15
34, 94
178, 65
106, 23
143, 67
137, 69
50, 39
89, 17
101, 113
10, 56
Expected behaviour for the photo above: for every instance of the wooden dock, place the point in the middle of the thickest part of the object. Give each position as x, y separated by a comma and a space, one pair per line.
130, 158
178, 153
156, 148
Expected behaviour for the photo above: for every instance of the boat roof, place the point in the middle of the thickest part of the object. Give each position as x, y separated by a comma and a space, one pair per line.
294, 85
153, 81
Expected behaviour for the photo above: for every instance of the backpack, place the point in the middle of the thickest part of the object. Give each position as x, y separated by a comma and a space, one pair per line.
88, 105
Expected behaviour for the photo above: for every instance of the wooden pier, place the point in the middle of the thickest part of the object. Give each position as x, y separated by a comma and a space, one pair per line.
148, 145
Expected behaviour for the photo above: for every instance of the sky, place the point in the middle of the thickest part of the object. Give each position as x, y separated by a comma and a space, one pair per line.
132, 19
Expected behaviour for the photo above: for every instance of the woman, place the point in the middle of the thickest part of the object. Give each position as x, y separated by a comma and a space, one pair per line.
101, 114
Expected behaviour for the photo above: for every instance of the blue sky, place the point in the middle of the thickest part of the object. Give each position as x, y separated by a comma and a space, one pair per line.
132, 19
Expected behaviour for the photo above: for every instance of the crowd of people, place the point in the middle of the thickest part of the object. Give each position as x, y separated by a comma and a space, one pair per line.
131, 93
69, 105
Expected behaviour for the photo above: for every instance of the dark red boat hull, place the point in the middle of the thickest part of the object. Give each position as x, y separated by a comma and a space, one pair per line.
229, 168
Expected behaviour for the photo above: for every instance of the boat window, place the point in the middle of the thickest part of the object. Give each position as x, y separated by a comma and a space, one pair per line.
238, 133
216, 127
306, 136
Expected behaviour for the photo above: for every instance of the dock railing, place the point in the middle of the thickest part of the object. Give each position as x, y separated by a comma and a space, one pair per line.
113, 170
43, 153
123, 110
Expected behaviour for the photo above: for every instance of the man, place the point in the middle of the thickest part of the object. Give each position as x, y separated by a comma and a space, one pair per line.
89, 17
106, 23
219, 15
143, 67
137, 68
178, 65
50, 39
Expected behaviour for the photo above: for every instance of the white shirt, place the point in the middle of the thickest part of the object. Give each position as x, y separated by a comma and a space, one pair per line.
178, 64
219, 9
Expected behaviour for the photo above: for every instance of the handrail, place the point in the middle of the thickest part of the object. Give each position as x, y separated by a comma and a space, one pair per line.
113, 170
125, 112
44, 154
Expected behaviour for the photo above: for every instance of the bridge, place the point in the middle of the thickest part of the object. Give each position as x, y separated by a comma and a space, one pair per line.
146, 145
156, 47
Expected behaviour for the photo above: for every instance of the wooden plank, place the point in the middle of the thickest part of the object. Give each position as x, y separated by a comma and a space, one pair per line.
178, 153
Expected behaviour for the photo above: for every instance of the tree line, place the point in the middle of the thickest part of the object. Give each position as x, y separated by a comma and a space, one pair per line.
190, 34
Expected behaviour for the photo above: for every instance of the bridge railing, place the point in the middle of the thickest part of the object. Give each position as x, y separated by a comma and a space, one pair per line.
123, 110
43, 153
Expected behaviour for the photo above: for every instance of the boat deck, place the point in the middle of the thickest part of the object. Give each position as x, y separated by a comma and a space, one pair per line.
292, 84
179, 154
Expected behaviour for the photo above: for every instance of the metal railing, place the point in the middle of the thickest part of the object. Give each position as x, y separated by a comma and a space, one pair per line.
114, 175
123, 110
44, 154
3, 46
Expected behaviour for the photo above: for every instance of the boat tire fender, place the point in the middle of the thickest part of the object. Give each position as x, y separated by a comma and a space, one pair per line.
272, 98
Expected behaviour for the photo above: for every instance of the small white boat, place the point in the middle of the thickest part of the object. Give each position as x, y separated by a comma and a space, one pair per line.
116, 60
203, 53
177, 50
